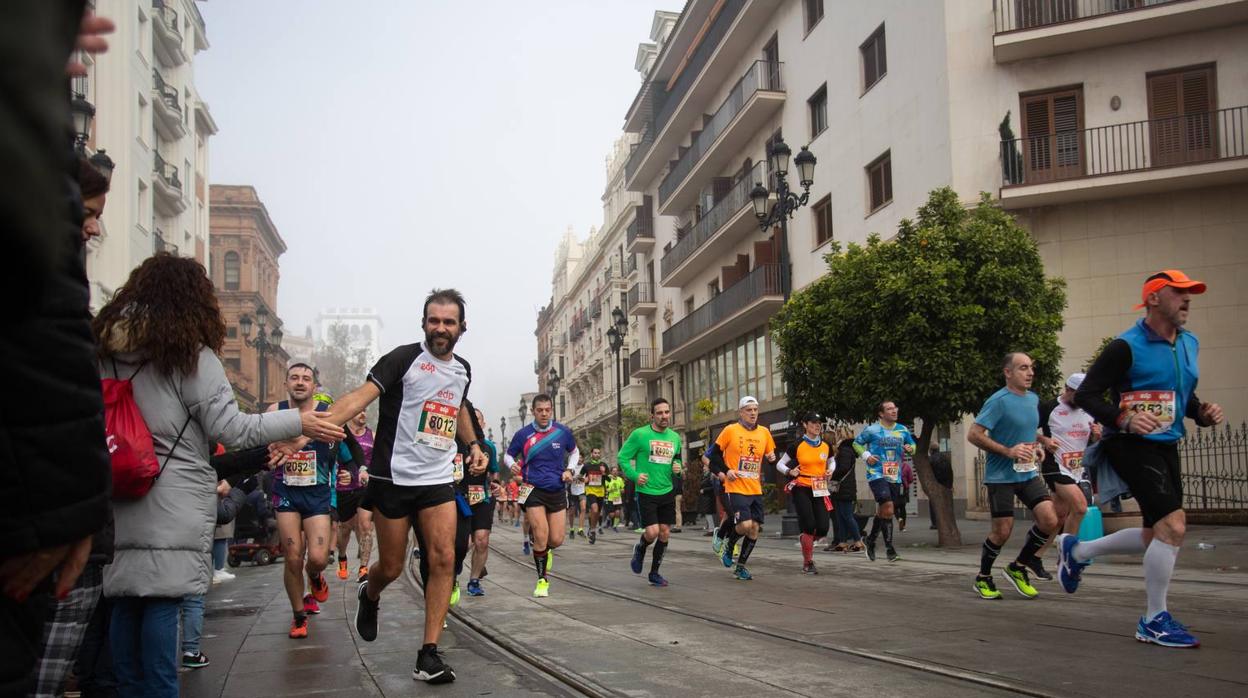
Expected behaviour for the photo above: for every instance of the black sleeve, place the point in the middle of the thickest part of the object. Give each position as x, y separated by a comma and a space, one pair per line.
229, 505
387, 374
716, 457
1046, 409
472, 416
1106, 372
243, 462
791, 451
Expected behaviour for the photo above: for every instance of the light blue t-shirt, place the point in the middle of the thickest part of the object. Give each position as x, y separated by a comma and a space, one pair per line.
1010, 419
888, 446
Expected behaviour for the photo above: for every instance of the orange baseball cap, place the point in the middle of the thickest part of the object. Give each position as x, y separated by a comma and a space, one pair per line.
1168, 277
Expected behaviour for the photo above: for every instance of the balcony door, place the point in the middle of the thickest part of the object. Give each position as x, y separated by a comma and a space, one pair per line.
1180, 111
1052, 135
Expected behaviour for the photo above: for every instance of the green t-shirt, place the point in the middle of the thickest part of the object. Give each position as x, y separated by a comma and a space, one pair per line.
654, 452
615, 488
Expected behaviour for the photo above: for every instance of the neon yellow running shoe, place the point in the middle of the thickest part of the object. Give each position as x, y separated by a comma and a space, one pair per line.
542, 590
986, 589
550, 560
1018, 577
455, 594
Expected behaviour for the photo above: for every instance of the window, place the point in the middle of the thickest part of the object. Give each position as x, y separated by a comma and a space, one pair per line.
880, 180
818, 111
814, 12
823, 220
231, 332
1180, 106
231, 271
874, 59
1052, 147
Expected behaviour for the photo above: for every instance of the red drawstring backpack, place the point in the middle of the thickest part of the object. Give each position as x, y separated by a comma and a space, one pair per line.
130, 448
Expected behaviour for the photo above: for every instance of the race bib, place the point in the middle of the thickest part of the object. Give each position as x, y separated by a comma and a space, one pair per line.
891, 469
300, 469
1028, 464
594, 479
819, 486
436, 427
662, 452
476, 494
617, 500
749, 467
1159, 403
457, 467
523, 495
1072, 463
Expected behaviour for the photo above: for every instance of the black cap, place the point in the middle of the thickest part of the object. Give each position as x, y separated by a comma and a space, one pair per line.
811, 417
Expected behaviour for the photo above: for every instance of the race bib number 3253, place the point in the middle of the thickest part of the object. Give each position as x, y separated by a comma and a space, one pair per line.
437, 425
1159, 403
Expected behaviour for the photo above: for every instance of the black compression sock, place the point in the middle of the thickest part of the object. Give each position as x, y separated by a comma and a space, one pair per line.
1035, 540
725, 528
539, 561
987, 557
659, 548
644, 543
888, 533
301, 618
875, 528
747, 546
731, 543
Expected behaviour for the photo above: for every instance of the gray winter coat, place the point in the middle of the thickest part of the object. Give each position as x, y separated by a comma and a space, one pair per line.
164, 540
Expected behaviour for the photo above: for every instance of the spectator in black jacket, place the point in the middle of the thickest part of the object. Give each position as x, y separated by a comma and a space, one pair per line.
846, 536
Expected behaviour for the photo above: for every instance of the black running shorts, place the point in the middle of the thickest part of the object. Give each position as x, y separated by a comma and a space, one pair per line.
483, 516
551, 501
349, 503
657, 508
404, 501
1001, 495
1151, 471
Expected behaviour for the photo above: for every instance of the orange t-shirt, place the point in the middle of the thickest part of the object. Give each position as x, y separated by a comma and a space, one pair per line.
811, 461
744, 451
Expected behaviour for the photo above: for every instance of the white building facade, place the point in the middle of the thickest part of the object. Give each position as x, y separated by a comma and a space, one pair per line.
153, 124
363, 326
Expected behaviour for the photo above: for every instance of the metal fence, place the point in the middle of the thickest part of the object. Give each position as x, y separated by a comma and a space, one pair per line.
1215, 469
1012, 15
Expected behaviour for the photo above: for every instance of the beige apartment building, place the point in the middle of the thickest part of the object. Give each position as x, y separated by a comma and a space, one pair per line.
1124, 154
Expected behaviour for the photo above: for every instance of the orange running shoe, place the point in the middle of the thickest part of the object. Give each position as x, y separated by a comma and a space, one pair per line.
299, 629
363, 574
342, 569
320, 590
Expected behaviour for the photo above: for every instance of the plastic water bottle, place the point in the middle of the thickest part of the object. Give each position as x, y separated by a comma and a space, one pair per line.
1205, 546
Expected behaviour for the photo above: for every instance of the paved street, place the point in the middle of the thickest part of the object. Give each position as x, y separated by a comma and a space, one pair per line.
857, 628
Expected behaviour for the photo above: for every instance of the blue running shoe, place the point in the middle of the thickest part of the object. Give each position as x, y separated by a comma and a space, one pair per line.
717, 543
474, 588
726, 557
657, 580
638, 555
742, 574
1164, 630
1069, 570
527, 550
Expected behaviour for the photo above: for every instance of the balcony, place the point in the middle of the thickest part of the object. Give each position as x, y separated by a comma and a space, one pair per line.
639, 237
641, 299
644, 364
756, 97
167, 108
630, 265
160, 244
168, 200
168, 44
721, 228
1143, 157
742, 306
675, 111
1036, 28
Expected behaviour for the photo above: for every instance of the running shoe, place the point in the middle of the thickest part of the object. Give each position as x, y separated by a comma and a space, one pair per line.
986, 589
298, 628
892, 555
726, 558
516, 525
542, 590
455, 594
870, 548
1164, 630
310, 605
592, 537
717, 543
858, 548
342, 569
572, 534
657, 580
474, 588
809, 568
677, 529
1036, 565
527, 550
197, 661
362, 575
366, 614
319, 588
639, 530
742, 574
430, 668
1018, 577
638, 556
1069, 570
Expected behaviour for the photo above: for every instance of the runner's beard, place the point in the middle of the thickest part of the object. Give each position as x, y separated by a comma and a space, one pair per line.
431, 338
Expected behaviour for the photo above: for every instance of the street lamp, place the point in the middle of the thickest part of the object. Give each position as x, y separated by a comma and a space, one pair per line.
615, 339
502, 430
787, 202
552, 382
82, 112
524, 410
265, 343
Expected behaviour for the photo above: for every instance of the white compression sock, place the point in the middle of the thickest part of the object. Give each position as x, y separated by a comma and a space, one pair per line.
1128, 541
1159, 562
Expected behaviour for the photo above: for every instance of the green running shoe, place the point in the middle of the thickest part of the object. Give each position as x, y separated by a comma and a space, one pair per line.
986, 589
550, 560
455, 594
542, 590
1018, 577
717, 543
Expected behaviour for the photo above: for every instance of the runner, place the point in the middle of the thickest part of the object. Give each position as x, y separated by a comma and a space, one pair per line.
881, 446
1067, 430
614, 486
1150, 372
738, 459
1006, 428
351, 483
650, 456
595, 473
807, 461
547, 454
512, 489
423, 388
481, 492
576, 504
303, 496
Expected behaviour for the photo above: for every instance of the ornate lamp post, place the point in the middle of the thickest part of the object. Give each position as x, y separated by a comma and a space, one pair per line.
502, 431
615, 339
265, 343
524, 411
82, 112
787, 202
552, 382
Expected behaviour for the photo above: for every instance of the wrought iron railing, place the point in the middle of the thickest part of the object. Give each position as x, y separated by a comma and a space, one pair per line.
642, 225
630, 264
159, 244
761, 76
168, 94
1215, 468
642, 360
1012, 15
639, 293
1131, 147
167, 172
765, 280
638, 152
168, 16
713, 219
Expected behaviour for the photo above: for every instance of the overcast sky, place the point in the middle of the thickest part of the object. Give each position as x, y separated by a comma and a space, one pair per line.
405, 145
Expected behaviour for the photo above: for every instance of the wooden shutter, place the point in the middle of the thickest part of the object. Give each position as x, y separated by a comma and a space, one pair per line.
1052, 136
1180, 111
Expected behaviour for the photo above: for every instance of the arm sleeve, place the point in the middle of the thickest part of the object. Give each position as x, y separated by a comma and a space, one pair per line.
862, 442
387, 373
716, 453
245, 462
625, 457
344, 453
574, 461
1046, 409
209, 398
1106, 372
508, 460
492, 452
783, 464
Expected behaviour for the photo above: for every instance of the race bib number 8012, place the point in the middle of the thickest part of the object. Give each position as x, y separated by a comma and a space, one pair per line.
436, 427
